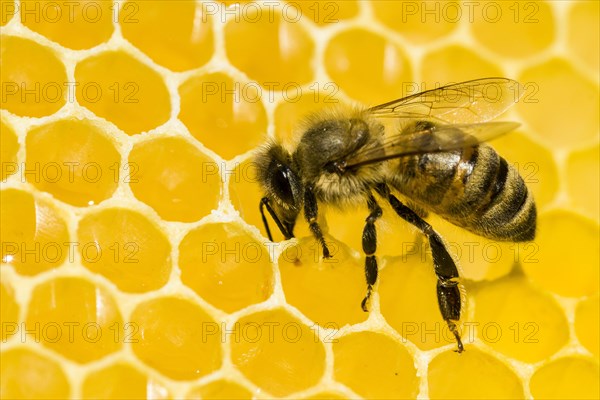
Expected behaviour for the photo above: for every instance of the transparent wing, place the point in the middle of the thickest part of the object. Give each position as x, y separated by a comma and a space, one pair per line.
434, 139
468, 102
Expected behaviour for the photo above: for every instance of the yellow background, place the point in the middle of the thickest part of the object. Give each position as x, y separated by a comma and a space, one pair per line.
132, 248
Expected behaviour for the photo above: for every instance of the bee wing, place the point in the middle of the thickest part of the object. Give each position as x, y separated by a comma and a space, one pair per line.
435, 139
473, 101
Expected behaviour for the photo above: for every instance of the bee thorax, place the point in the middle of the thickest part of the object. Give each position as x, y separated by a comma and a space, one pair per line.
346, 188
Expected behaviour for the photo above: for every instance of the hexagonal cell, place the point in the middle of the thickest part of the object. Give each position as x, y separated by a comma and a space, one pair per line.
174, 178
73, 160
9, 311
8, 10
565, 255
221, 389
328, 291
585, 193
126, 248
587, 323
560, 104
121, 381
177, 338
532, 23
27, 375
527, 325
189, 43
533, 162
584, 31
76, 318
455, 64
245, 194
119, 88
375, 366
472, 375
367, 66
277, 352
214, 108
9, 144
226, 266
33, 78
408, 19
407, 292
323, 12
34, 234
78, 25
566, 378
285, 52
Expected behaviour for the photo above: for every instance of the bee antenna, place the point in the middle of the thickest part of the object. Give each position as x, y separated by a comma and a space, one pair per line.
265, 201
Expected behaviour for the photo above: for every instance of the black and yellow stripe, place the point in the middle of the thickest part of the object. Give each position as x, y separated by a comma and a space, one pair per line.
473, 188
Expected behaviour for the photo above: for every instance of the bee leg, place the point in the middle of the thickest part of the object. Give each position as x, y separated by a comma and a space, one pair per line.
311, 213
264, 202
448, 293
369, 245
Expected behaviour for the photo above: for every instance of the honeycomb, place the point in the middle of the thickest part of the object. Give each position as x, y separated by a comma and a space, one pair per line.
134, 261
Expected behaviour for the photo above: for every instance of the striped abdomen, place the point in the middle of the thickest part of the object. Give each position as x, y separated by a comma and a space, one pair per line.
473, 188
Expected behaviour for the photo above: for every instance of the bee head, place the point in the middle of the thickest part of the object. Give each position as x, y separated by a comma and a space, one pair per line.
281, 184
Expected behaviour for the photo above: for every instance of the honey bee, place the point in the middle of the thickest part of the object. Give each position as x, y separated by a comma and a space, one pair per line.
421, 153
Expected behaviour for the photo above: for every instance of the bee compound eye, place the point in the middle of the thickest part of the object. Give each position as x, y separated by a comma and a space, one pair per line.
282, 185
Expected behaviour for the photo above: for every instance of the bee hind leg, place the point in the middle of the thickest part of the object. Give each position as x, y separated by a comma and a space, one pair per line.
448, 293
369, 245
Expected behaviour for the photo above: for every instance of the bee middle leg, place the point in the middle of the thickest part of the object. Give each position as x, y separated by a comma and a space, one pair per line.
369, 245
448, 293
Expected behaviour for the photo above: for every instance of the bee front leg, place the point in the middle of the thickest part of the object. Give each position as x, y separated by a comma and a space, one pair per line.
310, 213
448, 293
369, 245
